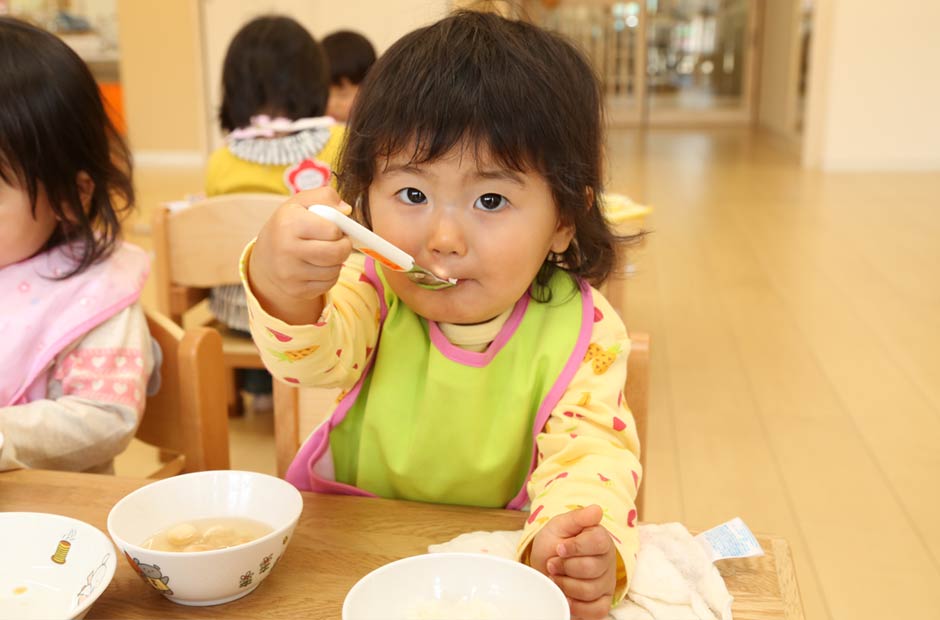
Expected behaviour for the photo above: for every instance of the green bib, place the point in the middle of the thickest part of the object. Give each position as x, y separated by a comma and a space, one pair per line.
436, 423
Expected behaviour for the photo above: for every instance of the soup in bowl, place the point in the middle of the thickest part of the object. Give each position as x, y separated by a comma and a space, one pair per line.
206, 538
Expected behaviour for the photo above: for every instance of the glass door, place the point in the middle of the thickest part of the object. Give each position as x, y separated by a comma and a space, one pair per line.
611, 35
664, 62
700, 57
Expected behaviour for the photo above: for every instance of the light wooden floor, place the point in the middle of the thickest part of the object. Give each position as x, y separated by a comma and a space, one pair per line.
795, 322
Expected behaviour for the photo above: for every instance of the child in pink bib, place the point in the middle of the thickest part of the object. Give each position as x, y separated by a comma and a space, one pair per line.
74, 347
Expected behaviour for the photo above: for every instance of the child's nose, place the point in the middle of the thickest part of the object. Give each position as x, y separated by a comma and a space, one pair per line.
445, 235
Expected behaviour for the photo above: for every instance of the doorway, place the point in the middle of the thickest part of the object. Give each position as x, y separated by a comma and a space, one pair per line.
666, 62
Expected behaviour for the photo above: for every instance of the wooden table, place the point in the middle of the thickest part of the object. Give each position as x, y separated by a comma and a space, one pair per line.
337, 541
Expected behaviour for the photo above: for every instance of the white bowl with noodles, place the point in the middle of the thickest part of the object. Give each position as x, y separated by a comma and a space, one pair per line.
54, 566
206, 577
455, 586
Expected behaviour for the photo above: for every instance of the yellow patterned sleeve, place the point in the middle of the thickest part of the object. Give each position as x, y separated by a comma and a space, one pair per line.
333, 349
588, 452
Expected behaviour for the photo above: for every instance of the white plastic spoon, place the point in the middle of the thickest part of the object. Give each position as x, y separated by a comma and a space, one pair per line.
381, 250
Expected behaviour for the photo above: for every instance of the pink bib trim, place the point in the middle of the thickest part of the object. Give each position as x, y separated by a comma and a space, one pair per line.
47, 315
301, 472
558, 389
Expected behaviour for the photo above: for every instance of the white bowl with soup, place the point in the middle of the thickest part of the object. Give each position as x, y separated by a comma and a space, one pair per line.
206, 538
455, 586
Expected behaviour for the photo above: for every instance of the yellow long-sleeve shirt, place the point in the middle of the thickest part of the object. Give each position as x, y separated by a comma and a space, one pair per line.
588, 451
227, 173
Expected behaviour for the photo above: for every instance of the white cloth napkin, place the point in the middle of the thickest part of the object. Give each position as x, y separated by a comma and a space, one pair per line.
673, 580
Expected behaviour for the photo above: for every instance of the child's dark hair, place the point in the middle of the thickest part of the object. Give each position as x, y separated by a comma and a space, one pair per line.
273, 66
505, 88
350, 56
53, 126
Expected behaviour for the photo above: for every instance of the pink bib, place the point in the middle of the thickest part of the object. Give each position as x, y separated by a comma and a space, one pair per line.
41, 316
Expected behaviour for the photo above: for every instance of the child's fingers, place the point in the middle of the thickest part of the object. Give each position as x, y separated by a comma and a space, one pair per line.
306, 260
589, 567
592, 541
322, 253
311, 267
309, 283
310, 276
597, 609
555, 566
325, 195
572, 523
583, 589
588, 516
302, 224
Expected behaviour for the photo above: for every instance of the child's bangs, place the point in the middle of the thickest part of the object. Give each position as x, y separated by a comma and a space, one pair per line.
425, 147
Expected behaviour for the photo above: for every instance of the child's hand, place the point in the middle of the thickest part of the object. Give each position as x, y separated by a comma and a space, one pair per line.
579, 555
297, 257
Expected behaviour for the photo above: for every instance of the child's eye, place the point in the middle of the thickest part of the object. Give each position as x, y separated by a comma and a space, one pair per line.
412, 196
491, 202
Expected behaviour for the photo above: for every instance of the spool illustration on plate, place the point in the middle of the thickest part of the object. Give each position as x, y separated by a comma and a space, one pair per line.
62, 550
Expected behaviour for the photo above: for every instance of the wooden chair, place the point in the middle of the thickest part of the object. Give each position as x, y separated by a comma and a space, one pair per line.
198, 247
297, 411
187, 419
636, 391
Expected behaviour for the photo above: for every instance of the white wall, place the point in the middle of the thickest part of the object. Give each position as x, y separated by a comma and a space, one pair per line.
381, 21
779, 67
874, 100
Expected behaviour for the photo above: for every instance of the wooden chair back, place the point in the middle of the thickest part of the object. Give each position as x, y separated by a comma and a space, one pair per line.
187, 418
197, 247
297, 411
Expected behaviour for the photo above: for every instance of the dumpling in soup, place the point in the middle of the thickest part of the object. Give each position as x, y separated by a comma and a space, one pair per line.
207, 534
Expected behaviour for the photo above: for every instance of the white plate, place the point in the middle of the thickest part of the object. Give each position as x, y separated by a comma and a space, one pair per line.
55, 566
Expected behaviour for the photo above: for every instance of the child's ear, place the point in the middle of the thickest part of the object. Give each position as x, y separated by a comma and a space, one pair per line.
86, 187
564, 233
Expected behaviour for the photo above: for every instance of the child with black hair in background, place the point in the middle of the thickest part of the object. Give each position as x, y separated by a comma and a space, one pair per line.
275, 84
350, 56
